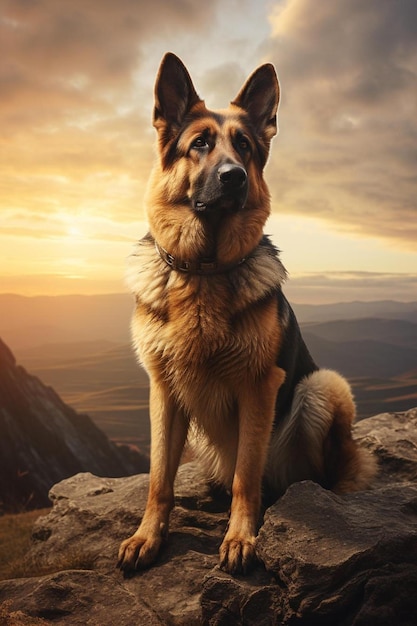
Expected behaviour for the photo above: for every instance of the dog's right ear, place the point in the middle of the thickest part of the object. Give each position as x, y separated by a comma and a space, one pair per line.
174, 94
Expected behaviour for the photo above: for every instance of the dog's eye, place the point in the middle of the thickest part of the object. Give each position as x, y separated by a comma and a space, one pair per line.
199, 143
243, 144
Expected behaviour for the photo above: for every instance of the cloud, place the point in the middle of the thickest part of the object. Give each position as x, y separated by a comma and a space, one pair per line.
347, 147
74, 119
359, 43
221, 84
76, 83
99, 41
62, 60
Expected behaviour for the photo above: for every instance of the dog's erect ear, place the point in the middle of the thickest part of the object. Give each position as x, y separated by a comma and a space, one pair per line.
174, 92
259, 97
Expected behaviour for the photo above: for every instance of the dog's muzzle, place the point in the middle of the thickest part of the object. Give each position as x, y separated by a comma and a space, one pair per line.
225, 189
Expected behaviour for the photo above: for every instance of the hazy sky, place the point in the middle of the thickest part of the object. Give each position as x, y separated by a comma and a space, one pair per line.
76, 141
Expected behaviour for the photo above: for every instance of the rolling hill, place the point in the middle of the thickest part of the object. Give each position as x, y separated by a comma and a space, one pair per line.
378, 356
395, 332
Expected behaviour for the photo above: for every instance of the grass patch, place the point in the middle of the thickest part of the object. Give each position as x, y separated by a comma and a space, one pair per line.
15, 543
15, 532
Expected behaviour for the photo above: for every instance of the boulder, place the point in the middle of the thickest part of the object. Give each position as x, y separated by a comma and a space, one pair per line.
327, 559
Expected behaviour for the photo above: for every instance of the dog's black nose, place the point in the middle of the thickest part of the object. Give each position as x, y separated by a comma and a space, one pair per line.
232, 176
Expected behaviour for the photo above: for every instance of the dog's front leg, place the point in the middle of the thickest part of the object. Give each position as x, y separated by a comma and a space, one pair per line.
168, 433
256, 415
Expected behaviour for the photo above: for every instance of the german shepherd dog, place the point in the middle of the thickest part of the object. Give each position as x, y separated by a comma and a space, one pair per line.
228, 367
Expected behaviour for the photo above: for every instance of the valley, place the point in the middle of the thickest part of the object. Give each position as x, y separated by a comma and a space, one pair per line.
88, 360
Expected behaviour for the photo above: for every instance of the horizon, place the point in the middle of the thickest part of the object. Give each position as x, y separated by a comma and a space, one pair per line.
78, 142
127, 294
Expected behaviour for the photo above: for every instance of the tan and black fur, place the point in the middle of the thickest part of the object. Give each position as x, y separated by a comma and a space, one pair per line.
228, 367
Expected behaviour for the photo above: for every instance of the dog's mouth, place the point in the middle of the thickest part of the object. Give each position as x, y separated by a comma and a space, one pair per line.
223, 205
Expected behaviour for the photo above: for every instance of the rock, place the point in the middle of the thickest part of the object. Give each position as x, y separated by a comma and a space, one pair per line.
393, 439
78, 598
328, 559
89, 519
43, 440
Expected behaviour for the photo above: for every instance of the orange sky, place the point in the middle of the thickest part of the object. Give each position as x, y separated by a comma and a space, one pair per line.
76, 142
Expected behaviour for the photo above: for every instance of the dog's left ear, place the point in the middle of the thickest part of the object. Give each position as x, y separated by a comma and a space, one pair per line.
259, 97
174, 94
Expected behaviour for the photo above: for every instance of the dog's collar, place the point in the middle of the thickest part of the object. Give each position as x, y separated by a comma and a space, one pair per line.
200, 267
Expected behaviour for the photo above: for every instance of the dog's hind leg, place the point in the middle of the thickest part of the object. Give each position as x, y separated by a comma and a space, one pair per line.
256, 406
168, 434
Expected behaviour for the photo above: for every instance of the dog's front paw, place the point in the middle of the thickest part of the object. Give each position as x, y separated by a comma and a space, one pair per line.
138, 552
237, 554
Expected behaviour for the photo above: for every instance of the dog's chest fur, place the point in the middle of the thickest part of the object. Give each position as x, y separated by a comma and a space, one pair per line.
205, 333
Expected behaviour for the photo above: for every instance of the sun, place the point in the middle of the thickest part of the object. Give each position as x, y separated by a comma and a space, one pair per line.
74, 232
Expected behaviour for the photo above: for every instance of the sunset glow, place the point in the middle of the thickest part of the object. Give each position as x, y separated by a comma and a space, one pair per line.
76, 141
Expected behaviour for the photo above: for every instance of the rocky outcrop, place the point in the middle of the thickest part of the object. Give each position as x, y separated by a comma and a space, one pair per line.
327, 559
43, 440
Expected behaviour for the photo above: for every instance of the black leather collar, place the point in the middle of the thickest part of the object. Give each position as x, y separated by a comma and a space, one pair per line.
200, 267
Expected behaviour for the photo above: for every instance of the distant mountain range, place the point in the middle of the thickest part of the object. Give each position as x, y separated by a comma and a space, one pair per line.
385, 309
33, 321
365, 347
395, 331
80, 345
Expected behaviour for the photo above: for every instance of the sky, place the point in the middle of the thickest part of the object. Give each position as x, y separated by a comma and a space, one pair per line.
77, 144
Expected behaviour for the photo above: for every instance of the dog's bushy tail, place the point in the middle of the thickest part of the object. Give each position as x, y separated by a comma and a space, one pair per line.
315, 441
347, 466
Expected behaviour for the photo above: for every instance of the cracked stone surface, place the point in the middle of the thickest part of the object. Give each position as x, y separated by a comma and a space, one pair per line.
327, 559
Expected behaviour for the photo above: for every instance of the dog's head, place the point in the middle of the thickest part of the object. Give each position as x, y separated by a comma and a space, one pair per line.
207, 195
